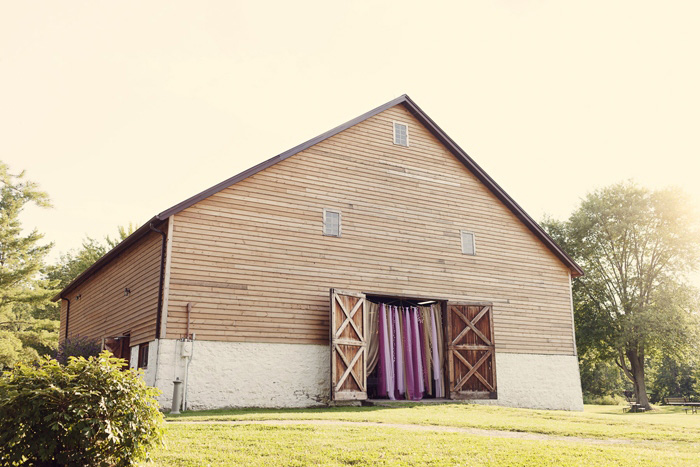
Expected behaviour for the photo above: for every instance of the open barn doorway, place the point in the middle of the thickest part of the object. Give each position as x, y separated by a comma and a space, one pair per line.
406, 348
391, 347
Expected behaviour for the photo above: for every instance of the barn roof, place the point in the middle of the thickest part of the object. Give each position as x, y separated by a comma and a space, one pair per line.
421, 116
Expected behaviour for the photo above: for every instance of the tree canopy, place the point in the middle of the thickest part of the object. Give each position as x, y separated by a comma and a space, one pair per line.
29, 321
25, 329
637, 248
73, 263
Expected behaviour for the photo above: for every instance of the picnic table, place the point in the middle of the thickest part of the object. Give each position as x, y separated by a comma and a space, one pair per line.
634, 407
690, 406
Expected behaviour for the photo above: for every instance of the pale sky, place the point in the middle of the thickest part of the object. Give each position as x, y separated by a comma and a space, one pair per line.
121, 109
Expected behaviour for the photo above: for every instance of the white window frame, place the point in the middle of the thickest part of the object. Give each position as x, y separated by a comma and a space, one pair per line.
393, 126
340, 222
461, 238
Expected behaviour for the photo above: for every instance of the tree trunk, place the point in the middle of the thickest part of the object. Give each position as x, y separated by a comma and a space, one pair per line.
636, 359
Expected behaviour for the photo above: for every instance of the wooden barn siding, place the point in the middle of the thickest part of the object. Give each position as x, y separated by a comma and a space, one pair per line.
253, 260
104, 311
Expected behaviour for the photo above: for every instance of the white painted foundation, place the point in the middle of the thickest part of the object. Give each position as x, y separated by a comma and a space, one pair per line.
535, 381
235, 374
150, 371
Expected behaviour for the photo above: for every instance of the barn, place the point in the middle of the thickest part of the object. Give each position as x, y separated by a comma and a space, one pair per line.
376, 261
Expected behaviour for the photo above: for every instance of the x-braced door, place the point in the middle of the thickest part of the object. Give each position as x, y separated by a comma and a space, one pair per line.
348, 346
471, 351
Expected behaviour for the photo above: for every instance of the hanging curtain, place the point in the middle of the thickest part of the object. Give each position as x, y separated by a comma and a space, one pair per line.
427, 348
385, 356
409, 357
441, 349
437, 352
399, 356
372, 335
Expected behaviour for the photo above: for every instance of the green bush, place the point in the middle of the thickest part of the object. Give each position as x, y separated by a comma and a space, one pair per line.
604, 400
88, 412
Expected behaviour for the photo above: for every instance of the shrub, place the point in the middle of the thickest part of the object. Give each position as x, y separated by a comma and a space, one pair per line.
88, 412
604, 400
78, 347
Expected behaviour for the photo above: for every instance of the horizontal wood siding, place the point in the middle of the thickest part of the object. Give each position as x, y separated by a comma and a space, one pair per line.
104, 311
253, 261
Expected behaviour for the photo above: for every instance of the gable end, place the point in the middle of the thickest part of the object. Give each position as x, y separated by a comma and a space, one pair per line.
421, 116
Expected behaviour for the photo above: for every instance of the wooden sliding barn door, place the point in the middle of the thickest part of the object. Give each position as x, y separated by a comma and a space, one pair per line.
471, 362
348, 346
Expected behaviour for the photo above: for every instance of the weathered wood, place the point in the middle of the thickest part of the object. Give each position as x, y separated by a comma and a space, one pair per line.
400, 237
104, 310
471, 351
254, 259
348, 320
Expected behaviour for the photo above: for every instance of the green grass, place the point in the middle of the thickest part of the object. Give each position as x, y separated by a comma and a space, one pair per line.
665, 437
664, 424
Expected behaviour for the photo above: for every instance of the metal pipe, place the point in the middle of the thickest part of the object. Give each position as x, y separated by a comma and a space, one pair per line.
67, 314
187, 374
162, 277
189, 310
177, 397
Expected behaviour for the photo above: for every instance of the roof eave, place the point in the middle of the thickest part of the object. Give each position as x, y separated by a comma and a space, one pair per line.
576, 270
417, 112
107, 257
280, 157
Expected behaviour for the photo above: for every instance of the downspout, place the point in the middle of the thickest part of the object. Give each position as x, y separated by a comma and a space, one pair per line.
159, 312
189, 310
163, 250
67, 314
188, 338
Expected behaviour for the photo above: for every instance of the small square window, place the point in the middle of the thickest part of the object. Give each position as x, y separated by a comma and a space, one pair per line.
400, 134
143, 356
331, 222
468, 243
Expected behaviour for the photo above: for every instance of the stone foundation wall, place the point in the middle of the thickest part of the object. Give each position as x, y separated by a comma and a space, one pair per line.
535, 381
233, 374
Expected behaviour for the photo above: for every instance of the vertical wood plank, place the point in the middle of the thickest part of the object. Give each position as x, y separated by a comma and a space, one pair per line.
471, 345
348, 345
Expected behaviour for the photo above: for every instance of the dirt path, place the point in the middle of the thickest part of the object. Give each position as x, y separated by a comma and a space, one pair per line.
433, 428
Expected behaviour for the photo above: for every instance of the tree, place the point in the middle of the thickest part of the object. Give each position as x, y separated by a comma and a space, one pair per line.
637, 248
672, 377
22, 290
29, 321
600, 377
72, 264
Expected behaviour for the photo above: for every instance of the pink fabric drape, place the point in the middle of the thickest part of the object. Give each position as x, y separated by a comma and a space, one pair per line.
399, 353
407, 336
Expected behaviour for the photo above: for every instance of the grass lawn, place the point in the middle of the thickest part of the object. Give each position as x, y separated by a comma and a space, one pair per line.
665, 437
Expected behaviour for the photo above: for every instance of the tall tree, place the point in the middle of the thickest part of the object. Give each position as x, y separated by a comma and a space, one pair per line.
637, 248
73, 263
22, 290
